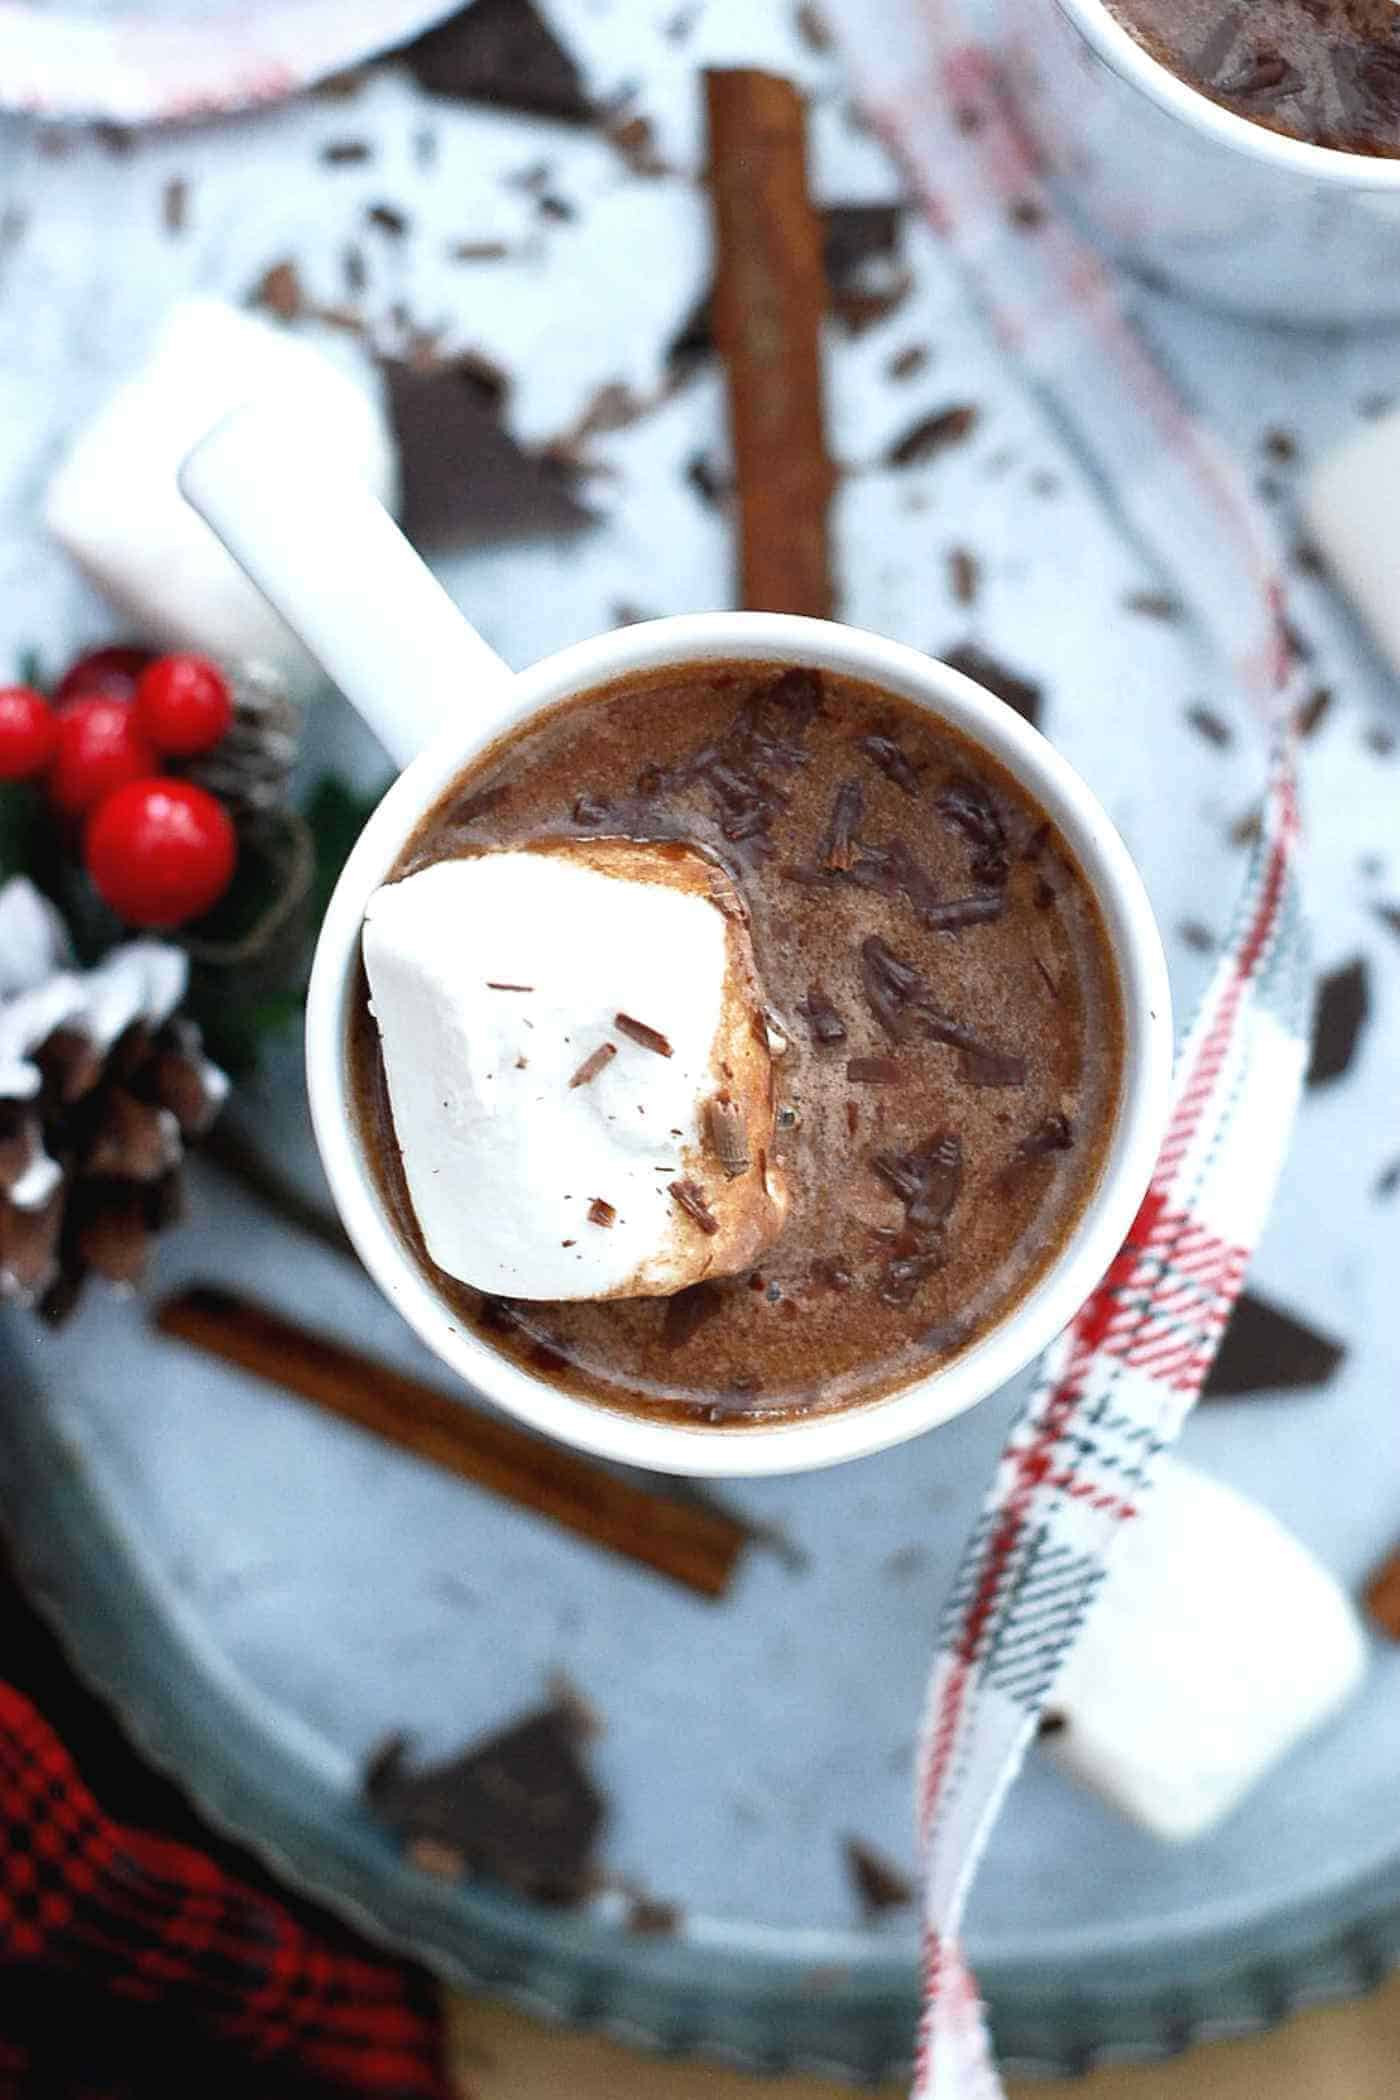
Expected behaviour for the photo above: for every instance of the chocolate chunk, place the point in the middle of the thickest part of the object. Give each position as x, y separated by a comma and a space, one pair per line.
601, 1212
1343, 1008
879, 1885
874, 1071
998, 678
649, 1038
593, 1064
893, 761
502, 52
519, 1807
1211, 726
691, 1198
465, 479
821, 1017
1267, 1349
687, 1312
931, 435
839, 849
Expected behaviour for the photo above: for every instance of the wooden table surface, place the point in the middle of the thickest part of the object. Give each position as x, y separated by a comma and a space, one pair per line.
1349, 2052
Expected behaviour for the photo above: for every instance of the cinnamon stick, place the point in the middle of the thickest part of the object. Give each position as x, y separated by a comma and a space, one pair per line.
694, 1545
770, 293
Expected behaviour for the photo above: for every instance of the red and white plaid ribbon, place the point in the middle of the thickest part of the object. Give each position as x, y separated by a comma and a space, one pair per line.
1114, 1391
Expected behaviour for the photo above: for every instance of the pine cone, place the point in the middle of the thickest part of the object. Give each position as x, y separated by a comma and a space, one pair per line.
250, 766
103, 1084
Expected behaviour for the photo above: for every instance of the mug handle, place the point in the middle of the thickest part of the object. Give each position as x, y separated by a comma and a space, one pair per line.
329, 558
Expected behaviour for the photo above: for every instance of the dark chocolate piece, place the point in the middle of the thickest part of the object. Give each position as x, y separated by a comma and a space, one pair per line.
1266, 1350
968, 807
821, 1017
691, 1198
494, 985
465, 479
894, 762
502, 52
1008, 685
839, 851
879, 1884
593, 1064
519, 1808
601, 1212
1342, 1010
927, 1179
874, 1071
1055, 1133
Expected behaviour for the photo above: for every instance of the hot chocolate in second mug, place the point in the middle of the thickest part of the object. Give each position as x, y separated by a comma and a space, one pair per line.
336, 567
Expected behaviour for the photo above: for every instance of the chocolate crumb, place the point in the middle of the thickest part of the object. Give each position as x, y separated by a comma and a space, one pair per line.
1197, 936
874, 1071
388, 219
345, 153
593, 1064
279, 290
727, 1130
1211, 726
1281, 445
493, 986
905, 363
964, 575
1153, 605
879, 1885
1052, 1723
821, 1016
691, 1198
931, 435
601, 1212
478, 251
649, 1038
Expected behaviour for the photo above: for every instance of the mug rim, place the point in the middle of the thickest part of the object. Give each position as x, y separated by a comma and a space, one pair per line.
803, 1442
1120, 49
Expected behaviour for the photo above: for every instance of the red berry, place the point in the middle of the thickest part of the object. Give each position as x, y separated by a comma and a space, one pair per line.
160, 852
113, 672
97, 750
27, 732
183, 704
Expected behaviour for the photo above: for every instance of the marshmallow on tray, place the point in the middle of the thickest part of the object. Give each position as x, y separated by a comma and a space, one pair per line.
578, 1070
115, 507
1352, 506
1216, 1644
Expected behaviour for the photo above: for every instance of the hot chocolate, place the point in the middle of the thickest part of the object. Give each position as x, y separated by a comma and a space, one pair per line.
1325, 71
934, 1058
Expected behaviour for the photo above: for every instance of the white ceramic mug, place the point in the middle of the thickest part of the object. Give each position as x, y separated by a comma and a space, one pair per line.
338, 569
1182, 189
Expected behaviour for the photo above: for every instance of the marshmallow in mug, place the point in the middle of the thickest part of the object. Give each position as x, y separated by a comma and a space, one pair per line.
1216, 1644
578, 1068
115, 507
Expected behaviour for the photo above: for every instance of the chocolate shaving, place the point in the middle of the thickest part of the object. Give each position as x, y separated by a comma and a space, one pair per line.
927, 1180
821, 1016
893, 761
964, 575
839, 850
691, 1198
1054, 1133
601, 1212
1312, 711
728, 1133
1268, 1350
1153, 605
878, 1884
998, 678
1343, 1008
874, 1071
687, 1312
493, 986
904, 1274
593, 1064
906, 362
649, 1038
931, 435
969, 808
901, 1003
1211, 726
345, 153
389, 219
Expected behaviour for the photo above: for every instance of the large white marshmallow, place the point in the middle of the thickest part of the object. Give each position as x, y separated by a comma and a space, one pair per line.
1352, 505
115, 506
1217, 1643
502, 1155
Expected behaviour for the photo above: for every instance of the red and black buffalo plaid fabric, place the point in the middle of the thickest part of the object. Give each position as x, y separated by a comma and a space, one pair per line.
136, 1963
